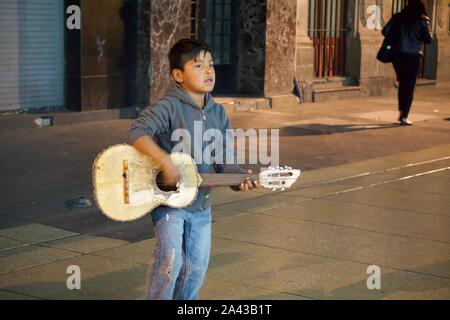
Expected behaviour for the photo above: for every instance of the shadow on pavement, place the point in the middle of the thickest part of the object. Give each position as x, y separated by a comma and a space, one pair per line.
394, 285
314, 129
123, 284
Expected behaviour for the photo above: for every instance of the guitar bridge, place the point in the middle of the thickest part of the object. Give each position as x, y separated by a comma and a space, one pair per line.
126, 183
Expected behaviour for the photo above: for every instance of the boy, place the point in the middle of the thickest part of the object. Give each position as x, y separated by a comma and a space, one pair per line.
183, 235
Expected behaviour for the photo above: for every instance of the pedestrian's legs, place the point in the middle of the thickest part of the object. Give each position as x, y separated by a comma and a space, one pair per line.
163, 272
197, 246
407, 68
411, 73
401, 75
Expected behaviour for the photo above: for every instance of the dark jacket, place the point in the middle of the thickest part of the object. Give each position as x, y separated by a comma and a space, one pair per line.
408, 35
177, 110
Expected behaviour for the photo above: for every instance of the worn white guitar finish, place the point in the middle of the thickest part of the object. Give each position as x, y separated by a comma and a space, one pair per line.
125, 188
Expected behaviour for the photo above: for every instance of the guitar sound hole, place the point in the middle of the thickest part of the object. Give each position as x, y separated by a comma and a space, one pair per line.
161, 186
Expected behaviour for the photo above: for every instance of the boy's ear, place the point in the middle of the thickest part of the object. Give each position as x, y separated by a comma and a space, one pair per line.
177, 75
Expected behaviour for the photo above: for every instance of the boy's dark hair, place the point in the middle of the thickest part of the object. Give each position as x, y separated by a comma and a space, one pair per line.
185, 50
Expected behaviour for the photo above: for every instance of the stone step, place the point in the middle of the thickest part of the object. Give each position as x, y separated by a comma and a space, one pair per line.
426, 82
421, 83
240, 104
323, 83
343, 92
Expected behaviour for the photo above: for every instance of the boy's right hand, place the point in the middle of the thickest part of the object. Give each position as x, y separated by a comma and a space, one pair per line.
170, 174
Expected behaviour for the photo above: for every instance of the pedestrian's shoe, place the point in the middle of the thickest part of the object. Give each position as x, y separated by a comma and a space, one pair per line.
405, 122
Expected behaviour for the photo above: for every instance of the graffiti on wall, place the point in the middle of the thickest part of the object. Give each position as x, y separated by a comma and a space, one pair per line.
371, 16
373, 21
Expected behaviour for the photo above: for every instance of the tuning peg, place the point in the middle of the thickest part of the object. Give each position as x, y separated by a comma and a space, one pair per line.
283, 189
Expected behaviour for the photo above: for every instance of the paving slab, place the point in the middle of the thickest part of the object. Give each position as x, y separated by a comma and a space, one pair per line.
392, 116
32, 211
379, 165
417, 156
397, 177
340, 243
29, 256
364, 217
92, 221
85, 243
322, 190
310, 276
7, 295
442, 174
426, 184
139, 252
332, 125
7, 244
223, 212
101, 279
214, 289
35, 233
223, 195
398, 199
8, 222
272, 201
392, 179
393, 102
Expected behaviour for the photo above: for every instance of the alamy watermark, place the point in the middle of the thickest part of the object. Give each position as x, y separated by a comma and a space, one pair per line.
374, 280
220, 149
74, 20
74, 280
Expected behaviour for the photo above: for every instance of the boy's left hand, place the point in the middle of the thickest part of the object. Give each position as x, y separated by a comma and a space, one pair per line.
248, 184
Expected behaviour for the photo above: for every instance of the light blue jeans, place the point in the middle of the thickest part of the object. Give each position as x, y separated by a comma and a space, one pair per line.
181, 257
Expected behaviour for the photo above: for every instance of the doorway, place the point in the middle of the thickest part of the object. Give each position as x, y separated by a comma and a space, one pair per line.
327, 30
214, 22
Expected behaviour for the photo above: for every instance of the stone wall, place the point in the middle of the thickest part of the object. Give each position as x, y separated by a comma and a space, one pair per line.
352, 68
443, 41
273, 46
170, 21
280, 47
375, 77
305, 51
251, 37
143, 54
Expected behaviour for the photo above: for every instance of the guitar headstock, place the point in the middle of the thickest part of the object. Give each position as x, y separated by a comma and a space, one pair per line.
278, 178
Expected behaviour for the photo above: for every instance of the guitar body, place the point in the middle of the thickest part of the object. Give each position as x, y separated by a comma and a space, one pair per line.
124, 183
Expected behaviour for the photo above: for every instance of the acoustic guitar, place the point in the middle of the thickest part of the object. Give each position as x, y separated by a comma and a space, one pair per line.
127, 184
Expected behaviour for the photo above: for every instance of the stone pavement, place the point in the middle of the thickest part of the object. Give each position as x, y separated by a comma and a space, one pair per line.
370, 194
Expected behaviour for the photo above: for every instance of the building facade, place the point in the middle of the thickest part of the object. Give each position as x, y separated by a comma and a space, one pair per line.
82, 55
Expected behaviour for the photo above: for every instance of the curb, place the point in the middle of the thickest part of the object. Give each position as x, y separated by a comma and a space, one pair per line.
24, 121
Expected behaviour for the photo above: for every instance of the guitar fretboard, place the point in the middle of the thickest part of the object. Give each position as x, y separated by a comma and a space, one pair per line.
225, 179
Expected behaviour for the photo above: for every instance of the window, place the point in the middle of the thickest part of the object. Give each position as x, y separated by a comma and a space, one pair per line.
218, 34
397, 6
194, 14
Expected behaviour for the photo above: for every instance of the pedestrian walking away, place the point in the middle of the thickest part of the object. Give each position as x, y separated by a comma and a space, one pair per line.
409, 29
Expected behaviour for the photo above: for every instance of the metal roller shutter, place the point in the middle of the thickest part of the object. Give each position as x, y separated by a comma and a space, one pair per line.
31, 54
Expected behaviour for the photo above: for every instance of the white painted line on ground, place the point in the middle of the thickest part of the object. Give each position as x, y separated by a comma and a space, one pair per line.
382, 183
374, 172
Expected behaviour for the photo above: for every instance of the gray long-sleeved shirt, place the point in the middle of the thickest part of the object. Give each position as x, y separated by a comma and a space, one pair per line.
177, 110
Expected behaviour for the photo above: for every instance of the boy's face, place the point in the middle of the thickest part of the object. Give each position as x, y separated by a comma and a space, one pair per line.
198, 75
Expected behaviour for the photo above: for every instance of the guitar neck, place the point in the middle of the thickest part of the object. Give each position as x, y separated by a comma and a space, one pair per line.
225, 179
